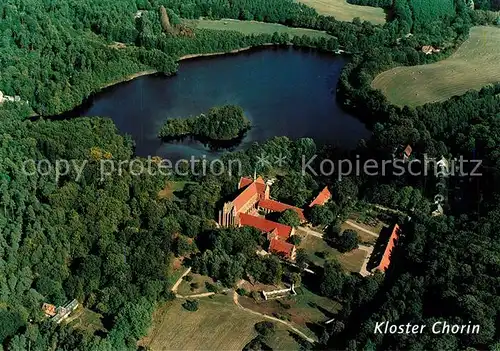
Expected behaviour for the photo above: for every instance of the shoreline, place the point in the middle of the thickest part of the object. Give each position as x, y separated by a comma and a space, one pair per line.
128, 78
184, 58
220, 53
193, 56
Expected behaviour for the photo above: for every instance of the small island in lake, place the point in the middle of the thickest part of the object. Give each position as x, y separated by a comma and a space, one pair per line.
220, 123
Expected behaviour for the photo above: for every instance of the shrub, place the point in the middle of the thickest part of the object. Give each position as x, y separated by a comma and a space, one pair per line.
191, 305
282, 316
265, 328
285, 305
188, 278
211, 287
242, 292
194, 285
168, 296
295, 239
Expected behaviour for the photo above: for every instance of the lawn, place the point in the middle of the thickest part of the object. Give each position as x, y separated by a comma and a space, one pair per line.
218, 325
305, 310
194, 286
254, 27
86, 320
319, 251
171, 187
343, 11
473, 66
364, 238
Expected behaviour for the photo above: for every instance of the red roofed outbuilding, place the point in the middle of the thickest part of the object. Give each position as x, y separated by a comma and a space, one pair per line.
282, 248
269, 205
264, 225
49, 309
385, 261
323, 197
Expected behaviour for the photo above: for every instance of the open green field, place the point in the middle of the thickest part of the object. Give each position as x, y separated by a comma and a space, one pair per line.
218, 325
343, 11
305, 310
86, 320
318, 251
186, 288
474, 65
171, 187
254, 27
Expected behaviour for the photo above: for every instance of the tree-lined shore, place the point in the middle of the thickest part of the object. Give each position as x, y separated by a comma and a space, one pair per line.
220, 123
111, 244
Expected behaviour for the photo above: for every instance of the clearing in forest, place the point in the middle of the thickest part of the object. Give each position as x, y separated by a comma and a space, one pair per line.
254, 27
218, 325
473, 66
86, 320
318, 252
343, 11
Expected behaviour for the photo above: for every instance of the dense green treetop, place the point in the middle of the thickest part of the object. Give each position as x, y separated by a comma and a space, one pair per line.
109, 242
219, 123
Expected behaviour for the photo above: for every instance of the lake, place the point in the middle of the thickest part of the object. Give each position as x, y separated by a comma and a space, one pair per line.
284, 92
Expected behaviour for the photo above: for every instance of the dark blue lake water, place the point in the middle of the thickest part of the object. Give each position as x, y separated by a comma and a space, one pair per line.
284, 92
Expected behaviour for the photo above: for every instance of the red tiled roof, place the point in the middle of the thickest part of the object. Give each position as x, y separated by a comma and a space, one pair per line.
281, 247
244, 182
49, 310
252, 188
260, 180
408, 151
245, 196
276, 206
265, 225
322, 197
386, 258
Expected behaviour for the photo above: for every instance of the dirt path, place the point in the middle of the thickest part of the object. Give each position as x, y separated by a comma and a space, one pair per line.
352, 224
368, 249
237, 303
311, 232
194, 295
380, 207
179, 281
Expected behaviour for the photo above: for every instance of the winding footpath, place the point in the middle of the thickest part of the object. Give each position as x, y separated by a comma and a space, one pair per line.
237, 303
179, 281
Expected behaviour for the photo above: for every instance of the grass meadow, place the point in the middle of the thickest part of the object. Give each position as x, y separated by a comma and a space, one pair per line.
319, 251
218, 325
474, 65
343, 11
254, 27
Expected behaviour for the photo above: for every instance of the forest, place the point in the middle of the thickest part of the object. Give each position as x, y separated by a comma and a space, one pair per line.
110, 243
219, 123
